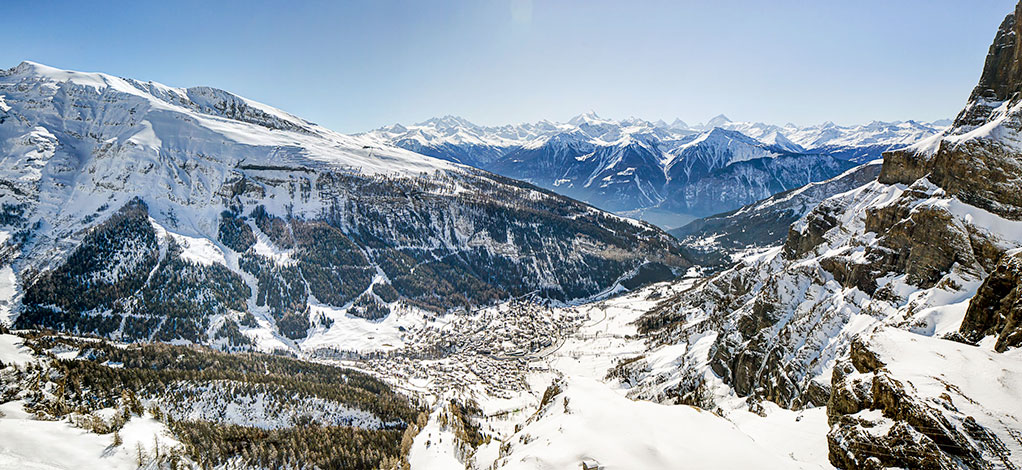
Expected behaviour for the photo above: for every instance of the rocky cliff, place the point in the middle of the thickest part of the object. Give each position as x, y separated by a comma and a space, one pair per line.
996, 310
902, 400
977, 161
931, 248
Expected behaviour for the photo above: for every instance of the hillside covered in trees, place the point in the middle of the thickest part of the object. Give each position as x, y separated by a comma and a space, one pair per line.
245, 409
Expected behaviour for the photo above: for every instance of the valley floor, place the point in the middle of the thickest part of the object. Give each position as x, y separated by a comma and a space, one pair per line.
523, 385
592, 417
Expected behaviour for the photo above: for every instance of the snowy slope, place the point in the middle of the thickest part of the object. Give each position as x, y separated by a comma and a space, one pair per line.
34, 444
588, 421
233, 217
956, 397
13, 351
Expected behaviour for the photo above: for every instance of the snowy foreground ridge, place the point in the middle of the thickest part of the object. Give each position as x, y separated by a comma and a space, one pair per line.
571, 413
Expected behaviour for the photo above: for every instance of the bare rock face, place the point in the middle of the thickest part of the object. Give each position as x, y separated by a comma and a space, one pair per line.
1002, 74
883, 416
904, 166
978, 161
861, 383
818, 222
983, 173
932, 227
997, 307
922, 242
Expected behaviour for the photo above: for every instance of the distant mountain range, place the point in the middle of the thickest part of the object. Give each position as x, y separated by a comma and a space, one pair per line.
664, 173
718, 240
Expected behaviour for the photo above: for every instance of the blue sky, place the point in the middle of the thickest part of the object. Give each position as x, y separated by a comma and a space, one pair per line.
353, 66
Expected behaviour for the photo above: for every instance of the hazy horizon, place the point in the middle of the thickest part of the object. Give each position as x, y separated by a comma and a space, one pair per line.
356, 67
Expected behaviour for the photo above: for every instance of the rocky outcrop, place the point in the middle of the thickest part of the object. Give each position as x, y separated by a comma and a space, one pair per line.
997, 307
979, 166
922, 241
984, 173
856, 440
819, 221
1002, 74
882, 416
714, 240
905, 166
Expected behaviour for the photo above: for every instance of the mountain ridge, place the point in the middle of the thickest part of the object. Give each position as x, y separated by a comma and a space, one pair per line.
204, 217
638, 168
867, 284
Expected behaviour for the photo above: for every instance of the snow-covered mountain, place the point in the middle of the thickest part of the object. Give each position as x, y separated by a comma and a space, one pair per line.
426, 314
139, 211
894, 304
860, 142
718, 239
641, 168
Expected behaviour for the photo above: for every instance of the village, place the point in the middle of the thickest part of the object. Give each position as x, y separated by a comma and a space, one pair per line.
489, 351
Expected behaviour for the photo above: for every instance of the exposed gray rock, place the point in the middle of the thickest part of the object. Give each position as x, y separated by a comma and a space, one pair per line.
997, 307
712, 241
884, 418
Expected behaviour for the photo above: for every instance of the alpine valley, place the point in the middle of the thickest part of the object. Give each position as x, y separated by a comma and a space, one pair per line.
192, 279
667, 174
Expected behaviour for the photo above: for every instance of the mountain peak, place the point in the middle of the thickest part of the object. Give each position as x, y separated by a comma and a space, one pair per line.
679, 124
1001, 79
447, 121
45, 72
718, 120
28, 66
718, 131
779, 141
589, 117
396, 128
